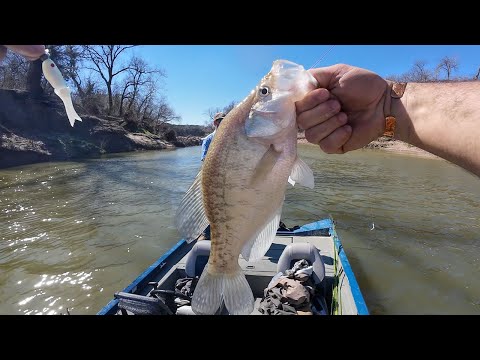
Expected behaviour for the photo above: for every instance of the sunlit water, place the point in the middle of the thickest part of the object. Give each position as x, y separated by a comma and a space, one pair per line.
74, 233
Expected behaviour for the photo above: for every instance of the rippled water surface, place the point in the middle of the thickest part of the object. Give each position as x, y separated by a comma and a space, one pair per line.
74, 233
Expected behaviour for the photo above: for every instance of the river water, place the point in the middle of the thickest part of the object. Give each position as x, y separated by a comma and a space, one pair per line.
73, 233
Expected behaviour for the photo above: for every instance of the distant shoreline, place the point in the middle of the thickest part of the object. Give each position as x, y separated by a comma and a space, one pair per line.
385, 144
36, 129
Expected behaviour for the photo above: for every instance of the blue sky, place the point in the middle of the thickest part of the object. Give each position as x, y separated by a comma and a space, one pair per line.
204, 76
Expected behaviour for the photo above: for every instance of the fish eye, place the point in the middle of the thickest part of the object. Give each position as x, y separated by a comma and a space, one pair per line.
264, 91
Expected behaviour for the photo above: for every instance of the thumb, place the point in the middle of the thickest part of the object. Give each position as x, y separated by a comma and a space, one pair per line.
328, 76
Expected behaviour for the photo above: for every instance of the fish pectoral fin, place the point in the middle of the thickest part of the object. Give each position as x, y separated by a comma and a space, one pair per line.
190, 218
259, 244
302, 174
264, 166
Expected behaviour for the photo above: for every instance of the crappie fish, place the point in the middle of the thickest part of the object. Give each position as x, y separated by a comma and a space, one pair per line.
241, 188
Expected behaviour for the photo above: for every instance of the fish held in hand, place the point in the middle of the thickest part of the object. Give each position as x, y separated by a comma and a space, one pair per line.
241, 188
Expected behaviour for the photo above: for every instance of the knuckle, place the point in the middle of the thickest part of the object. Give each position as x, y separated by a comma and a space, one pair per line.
310, 136
346, 131
322, 94
326, 147
333, 106
341, 118
298, 109
301, 121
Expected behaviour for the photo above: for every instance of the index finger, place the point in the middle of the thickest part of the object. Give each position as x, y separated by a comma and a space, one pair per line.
312, 99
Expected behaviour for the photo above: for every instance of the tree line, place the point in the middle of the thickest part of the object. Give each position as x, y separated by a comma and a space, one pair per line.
444, 71
109, 80
106, 80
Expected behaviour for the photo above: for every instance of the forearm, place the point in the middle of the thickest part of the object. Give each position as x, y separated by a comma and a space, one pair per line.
442, 118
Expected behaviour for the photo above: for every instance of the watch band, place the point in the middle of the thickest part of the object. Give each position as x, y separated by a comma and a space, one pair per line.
395, 91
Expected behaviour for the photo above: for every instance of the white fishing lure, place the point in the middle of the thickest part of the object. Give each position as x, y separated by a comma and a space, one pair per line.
55, 78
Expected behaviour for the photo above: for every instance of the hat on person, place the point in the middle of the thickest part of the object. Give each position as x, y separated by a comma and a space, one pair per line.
219, 116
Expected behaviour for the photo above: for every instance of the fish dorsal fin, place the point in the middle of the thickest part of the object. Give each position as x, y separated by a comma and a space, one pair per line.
302, 174
259, 244
190, 219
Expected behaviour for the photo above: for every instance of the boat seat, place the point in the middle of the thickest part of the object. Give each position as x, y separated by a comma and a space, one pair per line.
197, 258
298, 251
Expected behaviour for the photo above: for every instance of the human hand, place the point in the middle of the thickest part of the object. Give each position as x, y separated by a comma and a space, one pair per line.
30, 52
346, 112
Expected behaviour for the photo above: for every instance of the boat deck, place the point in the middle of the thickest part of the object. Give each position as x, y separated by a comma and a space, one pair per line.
259, 273
267, 266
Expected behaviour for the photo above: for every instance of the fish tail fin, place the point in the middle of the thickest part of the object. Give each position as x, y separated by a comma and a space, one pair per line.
237, 294
207, 297
233, 289
64, 95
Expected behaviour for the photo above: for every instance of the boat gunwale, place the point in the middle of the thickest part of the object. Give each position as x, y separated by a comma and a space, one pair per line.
360, 303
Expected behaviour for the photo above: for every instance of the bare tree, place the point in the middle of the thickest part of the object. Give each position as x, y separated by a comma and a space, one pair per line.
156, 113
420, 73
165, 113
92, 101
73, 59
106, 63
13, 71
448, 64
397, 78
226, 109
140, 75
210, 112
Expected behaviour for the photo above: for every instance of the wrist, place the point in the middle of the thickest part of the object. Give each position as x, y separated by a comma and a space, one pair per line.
395, 123
399, 111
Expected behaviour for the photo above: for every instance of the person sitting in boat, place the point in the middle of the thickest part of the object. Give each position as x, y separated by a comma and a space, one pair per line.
217, 119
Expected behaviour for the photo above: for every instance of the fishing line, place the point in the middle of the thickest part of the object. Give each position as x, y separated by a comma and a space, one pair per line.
321, 57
